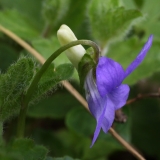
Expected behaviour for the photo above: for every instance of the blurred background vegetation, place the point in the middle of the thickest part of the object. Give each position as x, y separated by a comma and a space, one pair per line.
59, 122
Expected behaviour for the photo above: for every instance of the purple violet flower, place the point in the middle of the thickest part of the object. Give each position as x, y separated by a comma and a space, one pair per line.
107, 93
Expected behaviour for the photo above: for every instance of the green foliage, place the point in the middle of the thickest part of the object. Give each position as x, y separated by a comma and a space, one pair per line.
28, 149
30, 9
110, 22
23, 149
98, 151
65, 158
63, 140
51, 78
145, 126
103, 5
1, 133
49, 158
55, 10
19, 24
77, 11
151, 10
11, 53
139, 3
13, 85
54, 106
58, 12
84, 66
86, 125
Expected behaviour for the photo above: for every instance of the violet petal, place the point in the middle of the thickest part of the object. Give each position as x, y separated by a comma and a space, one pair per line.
98, 127
109, 75
140, 57
115, 100
95, 101
119, 96
109, 116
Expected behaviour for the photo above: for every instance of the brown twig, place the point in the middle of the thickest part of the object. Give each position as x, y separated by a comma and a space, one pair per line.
126, 145
141, 96
71, 89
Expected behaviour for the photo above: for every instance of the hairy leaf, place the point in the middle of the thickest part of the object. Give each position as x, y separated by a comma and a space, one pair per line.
13, 85
110, 22
51, 78
23, 149
28, 150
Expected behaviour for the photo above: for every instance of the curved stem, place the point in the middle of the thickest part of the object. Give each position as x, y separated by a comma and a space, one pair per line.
49, 61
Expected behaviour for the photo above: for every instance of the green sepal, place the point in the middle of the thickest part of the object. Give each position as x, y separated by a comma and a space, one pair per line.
50, 79
85, 65
14, 84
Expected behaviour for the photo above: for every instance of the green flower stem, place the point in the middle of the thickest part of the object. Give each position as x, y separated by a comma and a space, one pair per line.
21, 121
23, 111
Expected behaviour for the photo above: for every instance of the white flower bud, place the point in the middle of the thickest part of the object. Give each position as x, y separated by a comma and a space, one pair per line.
65, 36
